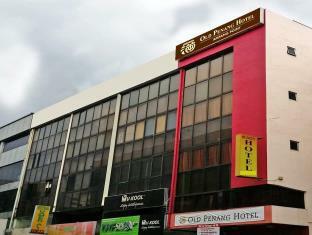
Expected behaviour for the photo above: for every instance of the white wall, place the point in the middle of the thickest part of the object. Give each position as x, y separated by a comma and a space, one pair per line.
143, 73
15, 127
287, 119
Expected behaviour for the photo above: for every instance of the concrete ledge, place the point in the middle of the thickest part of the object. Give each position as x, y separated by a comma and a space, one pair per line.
290, 216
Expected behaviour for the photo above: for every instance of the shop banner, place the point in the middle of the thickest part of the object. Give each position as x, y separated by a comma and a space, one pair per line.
232, 216
138, 200
120, 226
151, 224
81, 228
40, 218
246, 155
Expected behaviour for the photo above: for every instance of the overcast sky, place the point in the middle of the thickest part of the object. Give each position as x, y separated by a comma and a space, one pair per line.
52, 49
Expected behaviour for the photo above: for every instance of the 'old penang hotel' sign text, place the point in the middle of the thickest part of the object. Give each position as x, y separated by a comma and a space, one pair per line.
220, 34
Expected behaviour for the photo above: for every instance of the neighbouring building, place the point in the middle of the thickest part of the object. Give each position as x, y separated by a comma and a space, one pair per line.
13, 148
216, 133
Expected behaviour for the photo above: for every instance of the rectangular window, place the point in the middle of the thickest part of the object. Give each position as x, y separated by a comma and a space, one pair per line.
292, 95
294, 145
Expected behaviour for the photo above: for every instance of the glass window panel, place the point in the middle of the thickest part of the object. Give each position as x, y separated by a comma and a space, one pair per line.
161, 124
110, 122
60, 125
150, 126
44, 172
151, 108
198, 161
63, 138
174, 82
51, 171
97, 159
188, 116
81, 163
118, 154
214, 108
84, 146
130, 133
54, 155
215, 85
82, 117
132, 114
226, 127
100, 142
134, 96
41, 134
227, 82
66, 167
77, 148
227, 104
97, 112
164, 86
139, 132
47, 131
203, 72
73, 166
78, 181
199, 134
123, 117
201, 91
105, 157
200, 112
162, 104
103, 124
173, 101
137, 149
70, 149
60, 153
79, 133
141, 111
228, 62
57, 140
189, 95
186, 137
112, 106
89, 161
213, 155
143, 94
159, 144
226, 153
86, 180
190, 76
105, 109
156, 166
87, 130
95, 127
135, 170
170, 141
153, 91
171, 122
72, 135
213, 131
36, 136
75, 120
127, 152
107, 138
148, 147
44, 144
124, 173
120, 135
185, 161
38, 174
125, 101
216, 67
89, 114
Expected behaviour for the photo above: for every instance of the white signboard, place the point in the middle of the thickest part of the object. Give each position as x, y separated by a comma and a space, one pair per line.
208, 231
241, 215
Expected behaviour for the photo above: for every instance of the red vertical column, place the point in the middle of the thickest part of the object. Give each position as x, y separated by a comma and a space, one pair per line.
175, 164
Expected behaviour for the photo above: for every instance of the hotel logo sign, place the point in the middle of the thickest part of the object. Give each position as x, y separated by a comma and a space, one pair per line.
220, 34
246, 156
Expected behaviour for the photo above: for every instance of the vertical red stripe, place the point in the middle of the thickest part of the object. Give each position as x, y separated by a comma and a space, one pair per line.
175, 163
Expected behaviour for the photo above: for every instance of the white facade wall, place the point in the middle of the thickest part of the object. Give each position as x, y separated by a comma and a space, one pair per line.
15, 127
135, 77
287, 119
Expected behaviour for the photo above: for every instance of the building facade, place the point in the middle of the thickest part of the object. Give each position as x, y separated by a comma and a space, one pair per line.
13, 149
217, 136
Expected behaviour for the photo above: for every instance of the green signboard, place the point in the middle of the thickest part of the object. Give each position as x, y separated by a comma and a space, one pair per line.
120, 226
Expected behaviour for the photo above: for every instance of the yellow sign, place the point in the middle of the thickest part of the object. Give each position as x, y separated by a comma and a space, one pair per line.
246, 156
40, 218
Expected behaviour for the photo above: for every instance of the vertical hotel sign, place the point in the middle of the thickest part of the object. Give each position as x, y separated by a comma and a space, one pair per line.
246, 156
220, 34
40, 218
